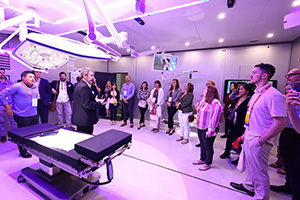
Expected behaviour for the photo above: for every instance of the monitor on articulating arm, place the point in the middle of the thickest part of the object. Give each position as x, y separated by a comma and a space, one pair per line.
165, 62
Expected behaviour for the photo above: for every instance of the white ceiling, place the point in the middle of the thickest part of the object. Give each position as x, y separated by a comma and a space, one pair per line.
248, 20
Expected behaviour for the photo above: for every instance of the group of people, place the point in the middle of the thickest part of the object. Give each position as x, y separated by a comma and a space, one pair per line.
267, 114
27, 101
256, 117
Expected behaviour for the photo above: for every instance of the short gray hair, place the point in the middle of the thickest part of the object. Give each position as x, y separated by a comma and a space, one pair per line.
85, 71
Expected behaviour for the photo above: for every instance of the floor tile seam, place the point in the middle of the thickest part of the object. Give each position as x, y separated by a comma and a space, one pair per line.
183, 173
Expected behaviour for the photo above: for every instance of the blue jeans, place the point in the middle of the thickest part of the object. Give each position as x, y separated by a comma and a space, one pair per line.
206, 144
113, 111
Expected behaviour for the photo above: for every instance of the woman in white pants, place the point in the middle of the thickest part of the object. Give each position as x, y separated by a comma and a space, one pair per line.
185, 109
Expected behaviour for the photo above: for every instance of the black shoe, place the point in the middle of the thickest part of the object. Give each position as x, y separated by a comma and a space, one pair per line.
241, 188
197, 145
26, 155
167, 132
172, 132
3, 139
280, 188
224, 136
235, 162
225, 155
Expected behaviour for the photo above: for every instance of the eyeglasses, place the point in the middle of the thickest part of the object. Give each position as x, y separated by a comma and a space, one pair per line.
290, 75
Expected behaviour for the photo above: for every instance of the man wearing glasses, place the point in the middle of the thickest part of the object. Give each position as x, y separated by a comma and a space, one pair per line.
289, 142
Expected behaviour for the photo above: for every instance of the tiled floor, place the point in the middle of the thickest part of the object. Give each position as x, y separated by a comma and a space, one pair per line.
155, 167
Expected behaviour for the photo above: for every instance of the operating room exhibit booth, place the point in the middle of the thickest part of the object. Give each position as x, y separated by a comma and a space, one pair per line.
68, 160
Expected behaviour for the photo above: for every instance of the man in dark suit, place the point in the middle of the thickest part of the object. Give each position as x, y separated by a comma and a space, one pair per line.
63, 95
44, 96
84, 114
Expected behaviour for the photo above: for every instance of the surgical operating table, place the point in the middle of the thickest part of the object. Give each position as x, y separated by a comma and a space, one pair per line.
68, 159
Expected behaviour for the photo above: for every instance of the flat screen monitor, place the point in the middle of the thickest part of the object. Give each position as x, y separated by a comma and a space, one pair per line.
165, 62
229, 81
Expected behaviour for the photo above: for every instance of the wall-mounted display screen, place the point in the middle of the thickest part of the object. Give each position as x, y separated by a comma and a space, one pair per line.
165, 62
229, 81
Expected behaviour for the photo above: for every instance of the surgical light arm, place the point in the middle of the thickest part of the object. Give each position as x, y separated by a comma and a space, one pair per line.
20, 20
27, 16
182, 73
93, 36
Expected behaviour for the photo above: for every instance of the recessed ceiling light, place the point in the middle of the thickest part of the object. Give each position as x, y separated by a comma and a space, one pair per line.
296, 3
153, 47
270, 35
221, 16
187, 44
221, 40
128, 50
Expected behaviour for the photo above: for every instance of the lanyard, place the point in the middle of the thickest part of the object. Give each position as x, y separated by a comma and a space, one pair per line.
29, 90
201, 104
63, 85
259, 97
127, 87
180, 99
6, 85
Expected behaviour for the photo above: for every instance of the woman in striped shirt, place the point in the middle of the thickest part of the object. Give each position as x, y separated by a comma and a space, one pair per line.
209, 111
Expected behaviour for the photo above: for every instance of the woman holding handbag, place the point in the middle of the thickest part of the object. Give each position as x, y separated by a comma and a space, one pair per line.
185, 109
172, 98
142, 97
114, 98
209, 112
239, 109
156, 101
106, 98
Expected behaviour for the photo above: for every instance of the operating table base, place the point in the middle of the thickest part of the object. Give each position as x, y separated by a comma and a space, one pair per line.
63, 186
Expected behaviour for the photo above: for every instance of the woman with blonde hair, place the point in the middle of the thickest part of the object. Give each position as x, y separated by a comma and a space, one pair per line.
106, 97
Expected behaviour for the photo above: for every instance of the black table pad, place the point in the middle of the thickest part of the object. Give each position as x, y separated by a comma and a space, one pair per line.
24, 134
103, 144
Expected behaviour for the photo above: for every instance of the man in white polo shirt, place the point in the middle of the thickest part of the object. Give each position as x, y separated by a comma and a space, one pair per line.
265, 118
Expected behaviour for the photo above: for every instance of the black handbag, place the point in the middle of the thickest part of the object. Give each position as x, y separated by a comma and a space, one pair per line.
230, 114
191, 118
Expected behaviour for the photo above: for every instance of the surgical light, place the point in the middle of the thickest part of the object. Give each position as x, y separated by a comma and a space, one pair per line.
43, 52
43, 58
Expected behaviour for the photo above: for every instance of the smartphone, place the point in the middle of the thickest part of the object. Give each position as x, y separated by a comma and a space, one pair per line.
297, 86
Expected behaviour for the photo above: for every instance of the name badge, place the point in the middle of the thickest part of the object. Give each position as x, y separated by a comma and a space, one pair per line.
34, 102
125, 92
154, 99
170, 99
247, 117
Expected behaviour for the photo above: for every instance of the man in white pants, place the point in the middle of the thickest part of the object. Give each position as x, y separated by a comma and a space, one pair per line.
265, 118
63, 95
